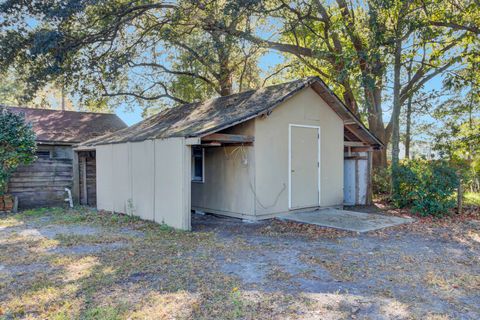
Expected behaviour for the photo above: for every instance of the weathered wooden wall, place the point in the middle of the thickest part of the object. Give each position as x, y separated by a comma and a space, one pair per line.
42, 183
357, 178
87, 172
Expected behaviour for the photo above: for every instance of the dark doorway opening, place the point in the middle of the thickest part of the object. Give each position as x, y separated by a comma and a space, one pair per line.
87, 166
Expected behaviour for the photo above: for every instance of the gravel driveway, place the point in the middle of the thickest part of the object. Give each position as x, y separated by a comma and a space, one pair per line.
88, 265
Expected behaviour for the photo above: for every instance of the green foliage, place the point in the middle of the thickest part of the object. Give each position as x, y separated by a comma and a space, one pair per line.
103, 313
17, 145
426, 186
471, 199
158, 54
381, 181
457, 136
469, 170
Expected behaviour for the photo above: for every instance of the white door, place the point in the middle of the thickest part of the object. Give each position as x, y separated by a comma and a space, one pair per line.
304, 166
349, 181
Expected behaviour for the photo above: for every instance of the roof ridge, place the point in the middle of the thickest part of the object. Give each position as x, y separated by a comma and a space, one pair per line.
56, 110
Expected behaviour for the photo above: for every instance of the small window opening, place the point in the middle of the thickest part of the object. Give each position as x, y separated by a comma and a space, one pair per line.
198, 156
43, 154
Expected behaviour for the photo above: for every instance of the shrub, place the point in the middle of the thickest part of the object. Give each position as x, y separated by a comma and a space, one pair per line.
427, 187
470, 172
17, 145
381, 182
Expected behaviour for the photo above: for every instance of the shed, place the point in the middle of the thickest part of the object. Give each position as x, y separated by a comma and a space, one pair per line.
251, 155
43, 182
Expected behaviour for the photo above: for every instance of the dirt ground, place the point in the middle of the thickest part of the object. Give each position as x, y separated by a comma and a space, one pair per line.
81, 264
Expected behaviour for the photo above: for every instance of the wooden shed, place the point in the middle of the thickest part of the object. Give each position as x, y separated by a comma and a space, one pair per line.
43, 183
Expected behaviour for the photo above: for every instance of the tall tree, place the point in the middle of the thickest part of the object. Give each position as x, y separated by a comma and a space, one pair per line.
461, 112
413, 119
12, 93
112, 50
352, 45
430, 54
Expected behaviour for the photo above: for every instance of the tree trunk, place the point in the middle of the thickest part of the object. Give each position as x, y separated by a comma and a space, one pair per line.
377, 127
408, 128
379, 159
408, 134
396, 113
225, 73
226, 85
225, 76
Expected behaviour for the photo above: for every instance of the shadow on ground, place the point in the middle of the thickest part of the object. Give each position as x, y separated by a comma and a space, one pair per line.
83, 264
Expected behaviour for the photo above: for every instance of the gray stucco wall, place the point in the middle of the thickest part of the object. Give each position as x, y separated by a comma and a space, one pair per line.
271, 152
252, 182
229, 178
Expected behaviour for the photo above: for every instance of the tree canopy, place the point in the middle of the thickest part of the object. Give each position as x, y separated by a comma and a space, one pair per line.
144, 50
376, 54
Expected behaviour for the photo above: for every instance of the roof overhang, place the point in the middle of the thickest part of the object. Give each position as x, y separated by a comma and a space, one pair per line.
350, 120
56, 143
355, 128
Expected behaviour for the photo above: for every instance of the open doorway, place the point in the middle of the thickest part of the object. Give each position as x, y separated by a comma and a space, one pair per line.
87, 174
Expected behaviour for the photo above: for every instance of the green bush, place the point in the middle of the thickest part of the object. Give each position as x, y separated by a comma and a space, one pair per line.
426, 186
17, 145
470, 172
381, 182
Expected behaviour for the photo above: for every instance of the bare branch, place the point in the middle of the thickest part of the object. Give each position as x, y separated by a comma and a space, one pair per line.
456, 26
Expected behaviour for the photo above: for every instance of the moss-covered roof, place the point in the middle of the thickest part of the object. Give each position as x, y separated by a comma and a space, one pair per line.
202, 118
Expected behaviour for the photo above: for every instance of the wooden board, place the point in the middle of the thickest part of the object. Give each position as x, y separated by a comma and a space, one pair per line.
228, 138
42, 183
87, 166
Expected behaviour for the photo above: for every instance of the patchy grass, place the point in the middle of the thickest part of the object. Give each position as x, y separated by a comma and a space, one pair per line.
105, 313
454, 281
338, 269
472, 199
78, 215
89, 280
83, 264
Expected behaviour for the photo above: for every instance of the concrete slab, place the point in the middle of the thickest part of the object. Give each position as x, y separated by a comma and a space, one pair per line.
346, 220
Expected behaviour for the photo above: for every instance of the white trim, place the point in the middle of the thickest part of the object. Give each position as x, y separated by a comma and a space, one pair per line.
193, 168
193, 141
290, 164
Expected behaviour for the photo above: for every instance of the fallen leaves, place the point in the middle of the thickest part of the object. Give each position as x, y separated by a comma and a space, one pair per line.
279, 227
308, 271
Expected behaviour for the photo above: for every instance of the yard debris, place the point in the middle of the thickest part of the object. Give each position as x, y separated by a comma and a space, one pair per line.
308, 230
230, 270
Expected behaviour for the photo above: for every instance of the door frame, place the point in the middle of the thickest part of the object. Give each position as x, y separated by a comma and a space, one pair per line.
290, 126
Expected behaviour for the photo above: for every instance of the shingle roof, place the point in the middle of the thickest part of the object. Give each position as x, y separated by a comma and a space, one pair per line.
202, 118
68, 126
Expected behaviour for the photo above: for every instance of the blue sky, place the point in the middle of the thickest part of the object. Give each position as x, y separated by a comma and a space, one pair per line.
266, 62
131, 117
132, 114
